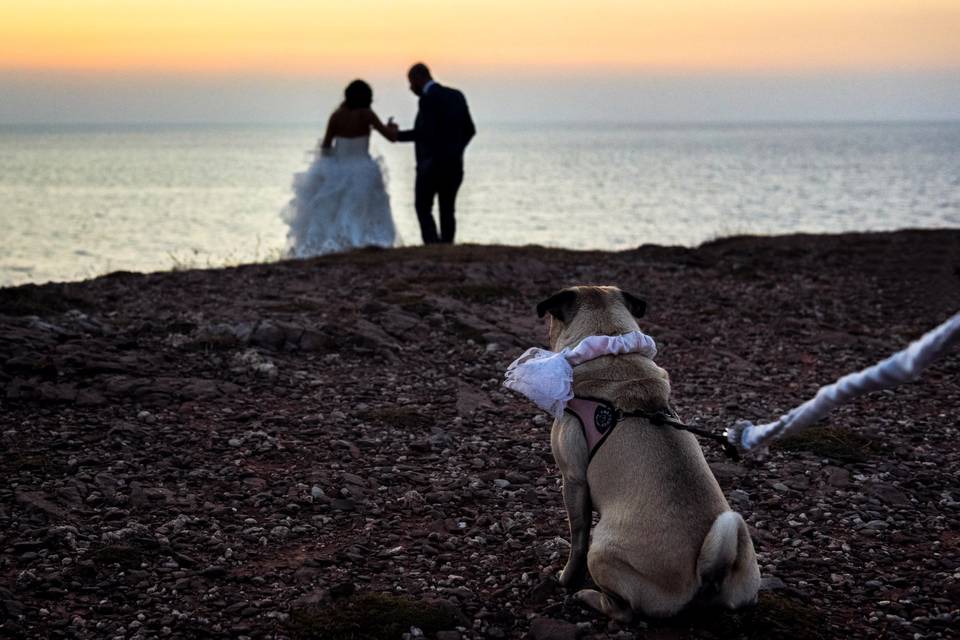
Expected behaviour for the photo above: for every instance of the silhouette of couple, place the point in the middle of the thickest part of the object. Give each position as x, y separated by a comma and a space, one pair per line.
341, 203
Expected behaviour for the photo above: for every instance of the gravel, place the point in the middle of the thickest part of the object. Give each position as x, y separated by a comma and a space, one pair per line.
212, 453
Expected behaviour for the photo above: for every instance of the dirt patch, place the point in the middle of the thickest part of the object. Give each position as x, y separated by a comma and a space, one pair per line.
403, 417
126, 556
371, 616
483, 293
39, 300
774, 616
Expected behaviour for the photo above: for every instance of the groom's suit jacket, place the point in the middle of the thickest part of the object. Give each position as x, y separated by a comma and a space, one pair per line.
442, 129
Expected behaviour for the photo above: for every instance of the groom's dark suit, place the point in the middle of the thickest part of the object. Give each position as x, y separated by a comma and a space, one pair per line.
441, 132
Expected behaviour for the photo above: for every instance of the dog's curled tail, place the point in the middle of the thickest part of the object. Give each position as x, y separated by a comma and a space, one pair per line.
728, 564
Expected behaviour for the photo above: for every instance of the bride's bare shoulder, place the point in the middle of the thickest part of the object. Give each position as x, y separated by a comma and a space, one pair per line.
340, 122
367, 114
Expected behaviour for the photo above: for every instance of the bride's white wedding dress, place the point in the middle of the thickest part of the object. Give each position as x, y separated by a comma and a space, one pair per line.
339, 203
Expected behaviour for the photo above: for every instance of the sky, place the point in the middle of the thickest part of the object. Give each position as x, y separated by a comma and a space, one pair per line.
527, 60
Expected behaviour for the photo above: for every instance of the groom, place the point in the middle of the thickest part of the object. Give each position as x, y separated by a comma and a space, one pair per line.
440, 134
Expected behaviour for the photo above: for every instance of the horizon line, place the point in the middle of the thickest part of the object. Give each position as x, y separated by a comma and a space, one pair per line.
839, 120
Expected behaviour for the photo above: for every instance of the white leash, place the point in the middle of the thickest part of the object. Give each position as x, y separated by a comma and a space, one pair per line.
903, 366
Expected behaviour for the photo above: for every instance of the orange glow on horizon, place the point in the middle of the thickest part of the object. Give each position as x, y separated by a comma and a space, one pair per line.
290, 37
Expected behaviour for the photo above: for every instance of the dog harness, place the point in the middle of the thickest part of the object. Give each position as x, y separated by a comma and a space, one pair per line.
598, 419
546, 378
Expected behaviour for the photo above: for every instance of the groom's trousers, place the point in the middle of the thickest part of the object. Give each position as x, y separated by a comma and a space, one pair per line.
441, 182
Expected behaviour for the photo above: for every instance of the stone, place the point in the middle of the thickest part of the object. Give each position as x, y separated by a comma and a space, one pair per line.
366, 334
306, 574
727, 473
798, 483
38, 501
269, 335
543, 590
342, 590
214, 572
551, 629
889, 494
837, 477
342, 504
771, 583
354, 479
413, 501
398, 323
470, 399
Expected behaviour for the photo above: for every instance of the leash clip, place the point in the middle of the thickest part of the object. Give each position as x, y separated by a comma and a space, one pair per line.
662, 417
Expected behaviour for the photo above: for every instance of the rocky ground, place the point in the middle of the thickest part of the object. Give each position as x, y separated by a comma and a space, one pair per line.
323, 449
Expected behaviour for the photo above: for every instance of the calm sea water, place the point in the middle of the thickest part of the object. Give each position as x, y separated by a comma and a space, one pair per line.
76, 202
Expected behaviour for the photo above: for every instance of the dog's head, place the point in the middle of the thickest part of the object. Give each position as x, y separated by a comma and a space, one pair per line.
578, 312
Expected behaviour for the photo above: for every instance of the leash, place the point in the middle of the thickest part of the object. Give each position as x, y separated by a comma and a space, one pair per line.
902, 367
660, 418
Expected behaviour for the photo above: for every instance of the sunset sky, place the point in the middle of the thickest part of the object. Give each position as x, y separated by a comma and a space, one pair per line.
70, 53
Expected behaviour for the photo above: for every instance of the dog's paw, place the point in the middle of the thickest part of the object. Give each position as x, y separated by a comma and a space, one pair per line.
589, 597
599, 601
572, 576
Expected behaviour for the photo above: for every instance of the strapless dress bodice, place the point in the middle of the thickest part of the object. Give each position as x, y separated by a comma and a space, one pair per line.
351, 147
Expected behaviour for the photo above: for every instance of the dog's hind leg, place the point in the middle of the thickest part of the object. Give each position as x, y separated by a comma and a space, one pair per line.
570, 451
576, 497
728, 564
606, 604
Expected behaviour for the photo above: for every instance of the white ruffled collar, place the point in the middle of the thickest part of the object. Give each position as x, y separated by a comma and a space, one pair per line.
546, 377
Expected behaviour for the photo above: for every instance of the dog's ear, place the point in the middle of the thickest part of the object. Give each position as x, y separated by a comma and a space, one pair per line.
561, 305
636, 306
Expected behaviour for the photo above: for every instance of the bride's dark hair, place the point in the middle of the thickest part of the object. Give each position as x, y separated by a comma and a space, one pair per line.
358, 95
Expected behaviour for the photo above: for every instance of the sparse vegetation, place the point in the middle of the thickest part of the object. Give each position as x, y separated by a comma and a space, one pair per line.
832, 442
199, 259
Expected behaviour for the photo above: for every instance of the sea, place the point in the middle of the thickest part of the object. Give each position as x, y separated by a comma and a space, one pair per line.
78, 201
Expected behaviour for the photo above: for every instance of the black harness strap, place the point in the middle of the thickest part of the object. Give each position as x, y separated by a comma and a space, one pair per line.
607, 417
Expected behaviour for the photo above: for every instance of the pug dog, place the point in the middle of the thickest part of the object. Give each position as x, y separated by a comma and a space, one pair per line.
666, 536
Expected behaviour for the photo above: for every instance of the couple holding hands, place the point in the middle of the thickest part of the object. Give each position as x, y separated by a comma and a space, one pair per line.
341, 203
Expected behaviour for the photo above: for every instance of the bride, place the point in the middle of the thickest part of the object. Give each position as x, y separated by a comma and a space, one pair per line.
341, 202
